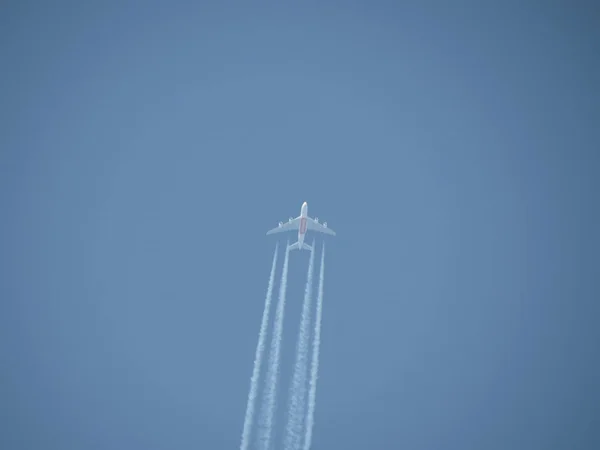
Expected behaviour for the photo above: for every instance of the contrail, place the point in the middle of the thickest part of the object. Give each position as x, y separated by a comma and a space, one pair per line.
314, 367
298, 389
270, 394
258, 357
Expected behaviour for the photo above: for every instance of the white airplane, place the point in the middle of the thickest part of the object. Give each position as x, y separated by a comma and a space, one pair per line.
302, 223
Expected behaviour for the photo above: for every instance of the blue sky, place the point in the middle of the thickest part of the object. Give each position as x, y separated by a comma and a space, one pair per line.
146, 148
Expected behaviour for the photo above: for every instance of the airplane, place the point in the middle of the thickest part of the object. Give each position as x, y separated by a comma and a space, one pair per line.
302, 223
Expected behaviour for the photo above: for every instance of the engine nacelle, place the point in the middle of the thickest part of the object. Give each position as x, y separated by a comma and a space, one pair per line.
280, 224
317, 219
291, 219
325, 224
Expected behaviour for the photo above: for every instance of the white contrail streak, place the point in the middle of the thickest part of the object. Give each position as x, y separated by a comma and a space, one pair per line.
270, 394
298, 388
260, 351
314, 368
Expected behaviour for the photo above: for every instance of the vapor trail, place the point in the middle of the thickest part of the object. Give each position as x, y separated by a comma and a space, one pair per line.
314, 367
270, 394
258, 357
298, 388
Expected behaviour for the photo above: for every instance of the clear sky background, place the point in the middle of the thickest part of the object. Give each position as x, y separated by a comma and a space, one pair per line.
146, 148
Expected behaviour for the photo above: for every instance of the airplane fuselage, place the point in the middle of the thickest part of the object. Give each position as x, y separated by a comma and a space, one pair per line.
302, 226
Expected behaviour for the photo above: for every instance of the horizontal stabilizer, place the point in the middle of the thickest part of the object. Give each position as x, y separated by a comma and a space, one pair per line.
296, 246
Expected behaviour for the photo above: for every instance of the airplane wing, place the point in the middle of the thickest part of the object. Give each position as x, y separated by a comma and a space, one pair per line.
313, 225
287, 226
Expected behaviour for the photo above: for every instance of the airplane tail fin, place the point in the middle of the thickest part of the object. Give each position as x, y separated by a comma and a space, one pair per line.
296, 246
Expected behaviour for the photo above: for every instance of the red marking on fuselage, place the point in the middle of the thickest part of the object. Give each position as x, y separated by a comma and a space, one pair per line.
303, 225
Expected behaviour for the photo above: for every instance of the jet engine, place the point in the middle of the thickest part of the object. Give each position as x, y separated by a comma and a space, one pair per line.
291, 219
280, 224
325, 224
317, 219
